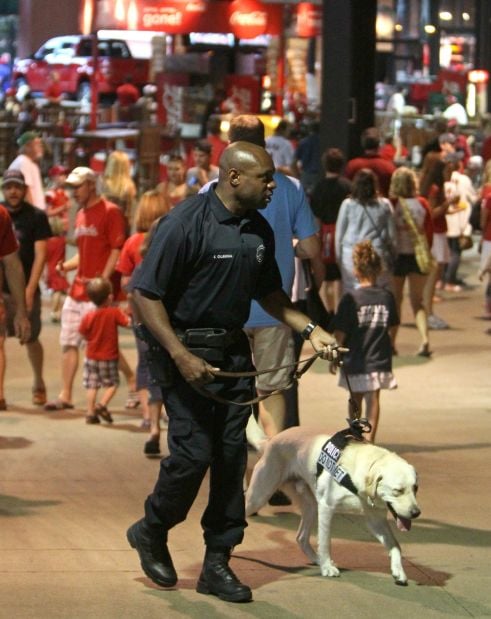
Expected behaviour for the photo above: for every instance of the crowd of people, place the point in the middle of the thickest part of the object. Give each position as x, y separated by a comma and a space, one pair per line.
205, 282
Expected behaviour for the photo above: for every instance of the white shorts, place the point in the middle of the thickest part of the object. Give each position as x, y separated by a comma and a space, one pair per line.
272, 346
71, 317
439, 248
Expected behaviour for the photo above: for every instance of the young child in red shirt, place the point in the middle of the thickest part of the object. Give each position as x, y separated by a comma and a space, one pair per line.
100, 329
57, 197
55, 279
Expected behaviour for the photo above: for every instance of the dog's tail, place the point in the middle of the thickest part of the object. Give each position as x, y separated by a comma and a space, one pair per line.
255, 435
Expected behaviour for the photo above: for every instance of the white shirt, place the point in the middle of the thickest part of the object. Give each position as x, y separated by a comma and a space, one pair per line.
456, 111
32, 175
281, 150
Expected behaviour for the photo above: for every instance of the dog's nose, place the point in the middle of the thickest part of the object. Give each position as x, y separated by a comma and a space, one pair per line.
415, 512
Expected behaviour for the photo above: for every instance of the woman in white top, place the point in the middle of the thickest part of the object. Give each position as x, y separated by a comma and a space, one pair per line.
407, 204
364, 216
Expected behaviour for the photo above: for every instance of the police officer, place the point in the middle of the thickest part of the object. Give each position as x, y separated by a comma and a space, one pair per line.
207, 259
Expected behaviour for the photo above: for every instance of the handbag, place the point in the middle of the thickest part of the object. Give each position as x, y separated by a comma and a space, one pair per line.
465, 242
422, 253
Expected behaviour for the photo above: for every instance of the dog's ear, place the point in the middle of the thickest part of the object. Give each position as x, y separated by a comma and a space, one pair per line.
372, 481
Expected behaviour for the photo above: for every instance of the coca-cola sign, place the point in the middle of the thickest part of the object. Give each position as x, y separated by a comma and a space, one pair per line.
248, 19
309, 20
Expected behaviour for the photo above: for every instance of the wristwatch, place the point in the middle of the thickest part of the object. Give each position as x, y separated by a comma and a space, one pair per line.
308, 330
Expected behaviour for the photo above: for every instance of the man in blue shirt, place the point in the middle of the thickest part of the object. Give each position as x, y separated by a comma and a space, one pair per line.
289, 215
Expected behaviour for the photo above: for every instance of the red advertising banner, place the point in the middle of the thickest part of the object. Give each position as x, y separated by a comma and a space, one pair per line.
243, 18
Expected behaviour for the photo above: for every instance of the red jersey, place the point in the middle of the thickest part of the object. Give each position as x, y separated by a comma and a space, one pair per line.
382, 169
100, 329
98, 230
8, 241
55, 252
130, 256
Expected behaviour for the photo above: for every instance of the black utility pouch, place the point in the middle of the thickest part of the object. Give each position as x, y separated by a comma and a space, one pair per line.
160, 365
207, 343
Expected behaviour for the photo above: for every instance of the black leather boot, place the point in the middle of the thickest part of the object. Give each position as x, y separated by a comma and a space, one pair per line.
155, 558
218, 579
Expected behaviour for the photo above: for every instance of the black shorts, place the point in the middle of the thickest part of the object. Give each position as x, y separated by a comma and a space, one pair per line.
332, 272
405, 265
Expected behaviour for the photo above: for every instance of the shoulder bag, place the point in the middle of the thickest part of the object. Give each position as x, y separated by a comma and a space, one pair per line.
422, 253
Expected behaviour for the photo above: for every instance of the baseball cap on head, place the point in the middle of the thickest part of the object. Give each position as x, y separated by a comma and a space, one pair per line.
13, 176
79, 175
26, 137
56, 170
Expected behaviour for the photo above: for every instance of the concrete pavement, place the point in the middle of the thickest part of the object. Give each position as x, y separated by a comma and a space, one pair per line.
68, 492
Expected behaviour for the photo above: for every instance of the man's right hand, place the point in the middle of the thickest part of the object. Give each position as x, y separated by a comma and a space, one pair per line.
22, 327
194, 369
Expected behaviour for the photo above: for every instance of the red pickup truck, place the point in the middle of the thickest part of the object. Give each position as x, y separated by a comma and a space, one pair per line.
71, 57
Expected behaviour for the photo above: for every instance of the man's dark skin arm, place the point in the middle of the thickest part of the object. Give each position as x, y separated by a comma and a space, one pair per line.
279, 305
155, 317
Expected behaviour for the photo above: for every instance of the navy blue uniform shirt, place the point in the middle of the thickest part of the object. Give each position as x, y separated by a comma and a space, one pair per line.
206, 265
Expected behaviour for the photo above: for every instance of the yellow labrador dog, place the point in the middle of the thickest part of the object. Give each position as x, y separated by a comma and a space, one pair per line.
383, 481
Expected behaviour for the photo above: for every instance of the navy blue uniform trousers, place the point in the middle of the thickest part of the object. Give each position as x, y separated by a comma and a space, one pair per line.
206, 435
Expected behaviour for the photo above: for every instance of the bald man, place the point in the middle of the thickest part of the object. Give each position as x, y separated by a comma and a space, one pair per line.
207, 260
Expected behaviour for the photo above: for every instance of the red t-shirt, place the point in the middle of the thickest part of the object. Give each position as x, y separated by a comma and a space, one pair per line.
100, 329
8, 242
98, 230
55, 252
130, 256
217, 148
382, 168
486, 233
127, 94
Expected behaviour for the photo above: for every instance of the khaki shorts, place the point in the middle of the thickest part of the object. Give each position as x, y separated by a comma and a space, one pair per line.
71, 317
272, 346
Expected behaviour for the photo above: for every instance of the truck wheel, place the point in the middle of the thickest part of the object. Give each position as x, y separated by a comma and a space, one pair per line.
83, 92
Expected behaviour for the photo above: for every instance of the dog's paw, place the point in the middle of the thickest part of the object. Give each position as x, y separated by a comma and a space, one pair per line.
400, 577
329, 569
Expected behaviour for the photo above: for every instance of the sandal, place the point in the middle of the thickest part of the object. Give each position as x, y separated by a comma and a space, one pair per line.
58, 405
133, 400
91, 419
3, 404
424, 351
39, 396
102, 411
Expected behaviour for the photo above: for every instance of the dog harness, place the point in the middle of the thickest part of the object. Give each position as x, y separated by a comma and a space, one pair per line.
333, 448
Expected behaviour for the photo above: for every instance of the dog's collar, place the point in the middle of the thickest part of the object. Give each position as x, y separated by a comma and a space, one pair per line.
331, 452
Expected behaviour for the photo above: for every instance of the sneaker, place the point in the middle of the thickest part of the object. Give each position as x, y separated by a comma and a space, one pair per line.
436, 323
453, 288
152, 447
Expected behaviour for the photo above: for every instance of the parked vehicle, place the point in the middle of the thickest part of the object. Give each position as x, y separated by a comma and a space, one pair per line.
71, 57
